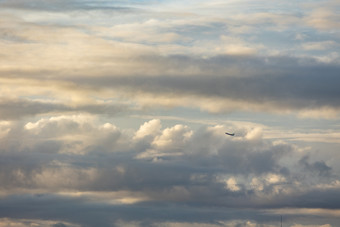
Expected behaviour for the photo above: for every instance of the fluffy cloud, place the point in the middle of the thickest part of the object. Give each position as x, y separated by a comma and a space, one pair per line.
150, 128
153, 165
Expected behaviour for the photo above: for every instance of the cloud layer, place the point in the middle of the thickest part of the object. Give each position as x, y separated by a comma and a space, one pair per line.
114, 113
78, 166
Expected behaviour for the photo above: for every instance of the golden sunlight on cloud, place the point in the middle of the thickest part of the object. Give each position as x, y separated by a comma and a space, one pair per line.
150, 128
324, 18
231, 184
114, 197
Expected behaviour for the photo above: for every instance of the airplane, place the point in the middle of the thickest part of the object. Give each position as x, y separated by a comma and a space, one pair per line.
230, 134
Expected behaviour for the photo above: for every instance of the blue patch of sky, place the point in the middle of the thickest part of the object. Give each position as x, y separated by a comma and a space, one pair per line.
288, 40
126, 3
251, 7
210, 31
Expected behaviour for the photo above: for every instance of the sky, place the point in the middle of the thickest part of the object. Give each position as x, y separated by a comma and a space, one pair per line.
114, 113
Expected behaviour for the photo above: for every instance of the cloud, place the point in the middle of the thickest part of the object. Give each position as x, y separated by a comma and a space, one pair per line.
75, 74
319, 167
150, 31
153, 60
271, 84
83, 213
79, 165
150, 128
59, 225
324, 18
222, 84
12, 108
173, 137
326, 225
56, 138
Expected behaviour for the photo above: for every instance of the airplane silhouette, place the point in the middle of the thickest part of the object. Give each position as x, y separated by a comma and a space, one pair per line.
230, 134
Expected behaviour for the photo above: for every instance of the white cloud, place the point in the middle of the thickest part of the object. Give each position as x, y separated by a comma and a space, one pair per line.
150, 128
173, 138
254, 134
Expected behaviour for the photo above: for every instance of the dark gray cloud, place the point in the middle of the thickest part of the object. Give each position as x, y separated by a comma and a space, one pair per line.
322, 198
87, 213
59, 225
17, 108
273, 84
320, 168
282, 82
92, 214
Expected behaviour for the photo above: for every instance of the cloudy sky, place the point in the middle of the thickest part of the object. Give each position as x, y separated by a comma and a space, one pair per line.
114, 113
